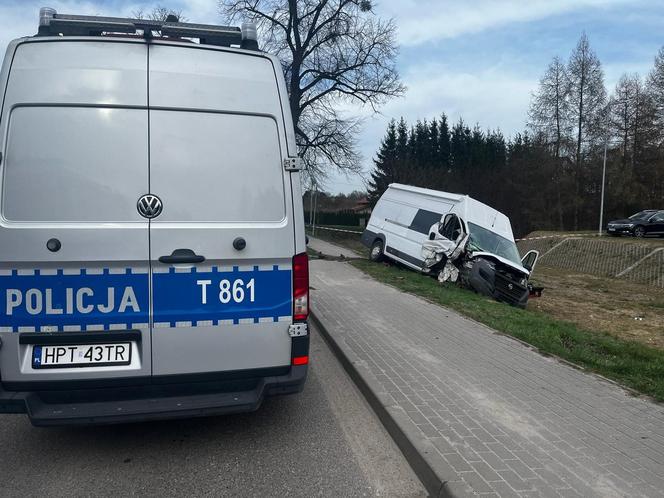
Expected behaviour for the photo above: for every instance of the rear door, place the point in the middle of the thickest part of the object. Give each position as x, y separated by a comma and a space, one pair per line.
73, 249
221, 250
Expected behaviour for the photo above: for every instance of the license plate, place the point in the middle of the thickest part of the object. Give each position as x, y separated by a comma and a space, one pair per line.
612, 229
86, 355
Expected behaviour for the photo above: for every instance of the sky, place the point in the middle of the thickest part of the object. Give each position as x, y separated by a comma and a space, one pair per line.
479, 60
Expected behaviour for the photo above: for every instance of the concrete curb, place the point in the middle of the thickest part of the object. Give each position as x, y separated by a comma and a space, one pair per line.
436, 474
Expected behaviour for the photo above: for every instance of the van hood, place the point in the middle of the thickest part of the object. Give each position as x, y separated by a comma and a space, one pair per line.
506, 261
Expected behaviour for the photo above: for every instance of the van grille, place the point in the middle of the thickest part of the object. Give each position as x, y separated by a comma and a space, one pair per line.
507, 289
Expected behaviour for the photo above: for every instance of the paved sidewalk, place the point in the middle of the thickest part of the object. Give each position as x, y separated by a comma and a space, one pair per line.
329, 249
488, 414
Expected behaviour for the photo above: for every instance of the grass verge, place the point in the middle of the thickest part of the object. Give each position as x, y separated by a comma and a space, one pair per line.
632, 364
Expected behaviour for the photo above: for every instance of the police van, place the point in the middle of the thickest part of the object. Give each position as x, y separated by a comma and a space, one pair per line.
152, 247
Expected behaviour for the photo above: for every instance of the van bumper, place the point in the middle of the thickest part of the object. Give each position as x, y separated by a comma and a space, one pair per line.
159, 400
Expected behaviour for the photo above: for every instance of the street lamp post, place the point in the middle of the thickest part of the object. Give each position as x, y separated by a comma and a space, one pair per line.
601, 207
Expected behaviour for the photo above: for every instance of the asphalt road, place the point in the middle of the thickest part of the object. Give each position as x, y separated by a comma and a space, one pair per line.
325, 441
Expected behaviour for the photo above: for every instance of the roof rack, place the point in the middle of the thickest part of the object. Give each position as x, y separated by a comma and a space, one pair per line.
53, 24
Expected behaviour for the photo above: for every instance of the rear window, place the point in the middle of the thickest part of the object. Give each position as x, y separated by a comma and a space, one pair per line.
216, 167
68, 164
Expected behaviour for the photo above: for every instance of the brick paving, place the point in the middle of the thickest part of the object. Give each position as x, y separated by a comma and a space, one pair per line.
503, 419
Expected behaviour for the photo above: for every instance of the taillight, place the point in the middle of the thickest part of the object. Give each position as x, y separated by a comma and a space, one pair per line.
300, 360
300, 287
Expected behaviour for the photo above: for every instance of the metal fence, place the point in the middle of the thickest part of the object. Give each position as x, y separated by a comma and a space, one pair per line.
635, 261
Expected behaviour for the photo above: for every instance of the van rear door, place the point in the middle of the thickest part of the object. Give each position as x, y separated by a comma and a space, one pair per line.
73, 249
221, 251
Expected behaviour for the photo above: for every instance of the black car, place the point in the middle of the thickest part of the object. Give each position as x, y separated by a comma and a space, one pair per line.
641, 224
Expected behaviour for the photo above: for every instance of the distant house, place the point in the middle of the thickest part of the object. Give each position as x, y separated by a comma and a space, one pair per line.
363, 209
362, 206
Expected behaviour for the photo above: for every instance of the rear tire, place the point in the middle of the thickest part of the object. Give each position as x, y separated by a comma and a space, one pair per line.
639, 232
376, 251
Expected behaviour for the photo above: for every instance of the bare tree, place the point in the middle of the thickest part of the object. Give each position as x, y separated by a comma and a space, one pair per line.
655, 91
634, 123
334, 53
625, 105
588, 108
549, 117
158, 13
550, 107
655, 87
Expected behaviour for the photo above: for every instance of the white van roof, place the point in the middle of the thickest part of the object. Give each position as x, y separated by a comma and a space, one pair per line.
471, 210
427, 191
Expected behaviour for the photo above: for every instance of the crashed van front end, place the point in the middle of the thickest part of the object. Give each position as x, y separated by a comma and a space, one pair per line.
487, 274
478, 258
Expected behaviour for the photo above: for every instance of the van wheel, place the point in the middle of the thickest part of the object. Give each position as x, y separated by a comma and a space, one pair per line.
639, 231
376, 252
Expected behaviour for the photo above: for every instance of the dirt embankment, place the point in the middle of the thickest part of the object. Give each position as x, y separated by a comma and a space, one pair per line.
624, 309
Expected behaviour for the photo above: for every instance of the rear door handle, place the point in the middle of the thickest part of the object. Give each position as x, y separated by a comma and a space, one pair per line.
180, 256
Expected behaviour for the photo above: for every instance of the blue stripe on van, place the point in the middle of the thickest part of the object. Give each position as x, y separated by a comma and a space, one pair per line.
209, 295
102, 300
84, 300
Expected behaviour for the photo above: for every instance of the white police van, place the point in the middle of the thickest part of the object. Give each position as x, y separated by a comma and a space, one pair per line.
152, 247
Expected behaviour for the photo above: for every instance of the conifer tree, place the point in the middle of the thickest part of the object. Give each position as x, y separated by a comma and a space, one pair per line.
386, 164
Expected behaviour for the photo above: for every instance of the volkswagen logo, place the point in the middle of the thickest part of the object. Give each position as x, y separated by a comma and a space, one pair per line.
509, 286
149, 206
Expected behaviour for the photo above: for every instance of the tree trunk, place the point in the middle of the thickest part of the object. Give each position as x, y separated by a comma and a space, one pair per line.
577, 176
558, 165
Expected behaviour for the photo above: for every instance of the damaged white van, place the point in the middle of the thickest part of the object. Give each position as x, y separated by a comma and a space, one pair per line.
432, 231
152, 246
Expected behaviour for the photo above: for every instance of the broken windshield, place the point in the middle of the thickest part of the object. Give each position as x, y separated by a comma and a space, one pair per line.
485, 240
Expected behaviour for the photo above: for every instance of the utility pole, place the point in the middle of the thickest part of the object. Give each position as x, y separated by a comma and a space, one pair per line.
601, 207
311, 205
313, 224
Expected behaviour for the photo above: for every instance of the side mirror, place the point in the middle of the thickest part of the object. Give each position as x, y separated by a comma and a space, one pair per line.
530, 260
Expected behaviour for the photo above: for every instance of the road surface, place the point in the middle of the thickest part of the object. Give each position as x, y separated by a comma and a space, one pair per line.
323, 442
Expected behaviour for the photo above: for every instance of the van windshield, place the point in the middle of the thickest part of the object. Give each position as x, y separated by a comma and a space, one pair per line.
481, 239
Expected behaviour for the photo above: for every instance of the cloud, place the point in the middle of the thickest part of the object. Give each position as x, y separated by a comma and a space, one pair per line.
492, 97
423, 21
